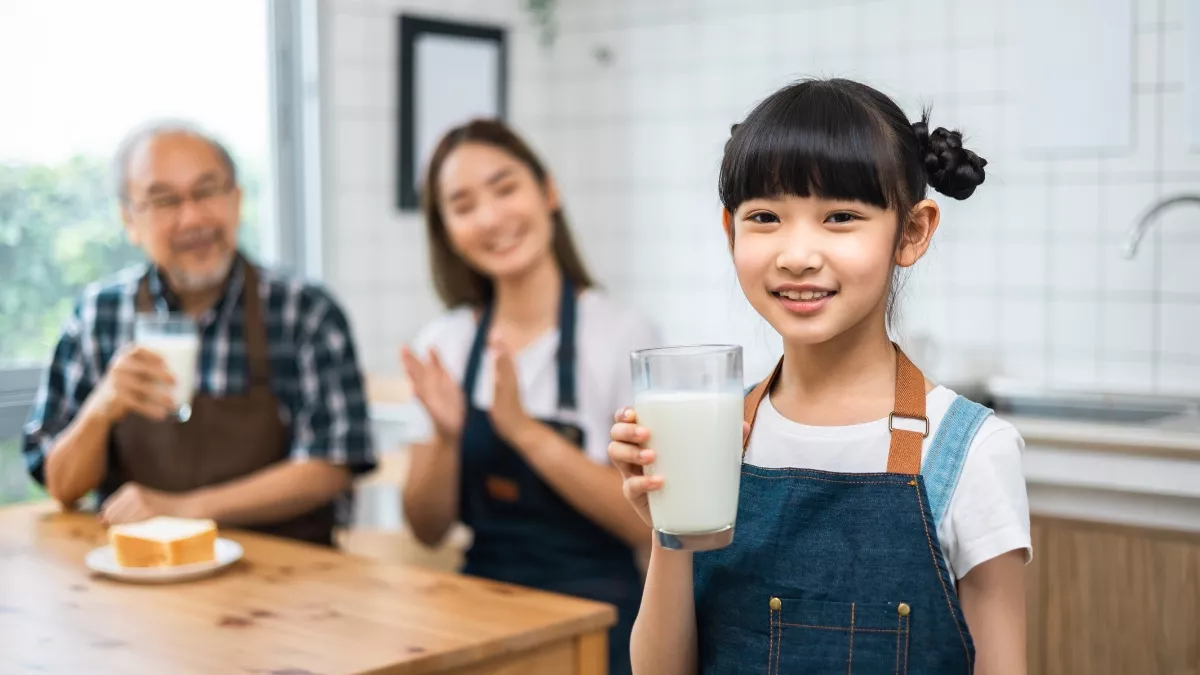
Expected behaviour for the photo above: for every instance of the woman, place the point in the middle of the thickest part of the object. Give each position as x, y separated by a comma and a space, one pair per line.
519, 384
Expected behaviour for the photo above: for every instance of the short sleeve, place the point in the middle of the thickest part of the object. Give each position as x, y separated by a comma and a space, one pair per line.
65, 385
989, 512
332, 422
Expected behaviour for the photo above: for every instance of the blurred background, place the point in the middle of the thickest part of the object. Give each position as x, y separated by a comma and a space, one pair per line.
1088, 112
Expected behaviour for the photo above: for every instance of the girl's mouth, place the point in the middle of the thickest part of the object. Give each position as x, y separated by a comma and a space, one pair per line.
805, 302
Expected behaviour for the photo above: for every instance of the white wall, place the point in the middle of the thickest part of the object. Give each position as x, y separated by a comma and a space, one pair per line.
1027, 274
375, 257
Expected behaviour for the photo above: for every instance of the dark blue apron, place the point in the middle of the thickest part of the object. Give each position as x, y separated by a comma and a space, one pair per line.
842, 573
525, 533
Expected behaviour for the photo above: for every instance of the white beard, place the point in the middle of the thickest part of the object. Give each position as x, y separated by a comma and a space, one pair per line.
188, 282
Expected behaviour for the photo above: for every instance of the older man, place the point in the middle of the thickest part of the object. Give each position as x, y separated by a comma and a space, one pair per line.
279, 422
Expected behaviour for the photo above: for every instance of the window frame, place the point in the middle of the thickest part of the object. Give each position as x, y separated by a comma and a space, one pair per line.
295, 181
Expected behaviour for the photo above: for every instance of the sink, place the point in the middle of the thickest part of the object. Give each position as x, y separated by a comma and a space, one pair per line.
1149, 410
1113, 413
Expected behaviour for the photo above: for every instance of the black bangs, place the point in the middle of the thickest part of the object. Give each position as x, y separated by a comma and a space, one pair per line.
813, 138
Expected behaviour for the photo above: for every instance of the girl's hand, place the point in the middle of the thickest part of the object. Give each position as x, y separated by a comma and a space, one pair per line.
441, 395
629, 453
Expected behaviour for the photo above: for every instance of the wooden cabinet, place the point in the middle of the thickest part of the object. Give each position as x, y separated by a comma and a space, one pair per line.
1105, 599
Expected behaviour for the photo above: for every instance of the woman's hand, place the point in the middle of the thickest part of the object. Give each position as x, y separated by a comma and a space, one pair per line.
629, 453
441, 395
507, 414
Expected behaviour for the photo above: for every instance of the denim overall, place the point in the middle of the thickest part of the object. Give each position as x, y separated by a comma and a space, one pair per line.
846, 566
525, 533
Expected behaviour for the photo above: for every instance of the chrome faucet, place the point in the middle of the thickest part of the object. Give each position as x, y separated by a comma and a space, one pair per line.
1143, 224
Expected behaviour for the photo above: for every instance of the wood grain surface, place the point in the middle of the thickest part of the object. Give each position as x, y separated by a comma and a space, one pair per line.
285, 609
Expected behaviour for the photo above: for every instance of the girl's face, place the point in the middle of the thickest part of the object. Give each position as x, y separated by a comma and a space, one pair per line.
815, 268
498, 216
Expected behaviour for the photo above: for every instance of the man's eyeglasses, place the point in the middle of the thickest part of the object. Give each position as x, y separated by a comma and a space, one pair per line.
168, 205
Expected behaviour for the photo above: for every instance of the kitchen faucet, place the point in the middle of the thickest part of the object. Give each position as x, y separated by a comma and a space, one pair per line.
1139, 230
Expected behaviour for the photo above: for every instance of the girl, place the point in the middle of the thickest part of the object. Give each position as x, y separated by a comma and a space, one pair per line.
882, 522
522, 377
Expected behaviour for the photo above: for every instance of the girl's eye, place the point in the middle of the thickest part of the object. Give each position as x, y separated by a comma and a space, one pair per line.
841, 218
506, 189
763, 217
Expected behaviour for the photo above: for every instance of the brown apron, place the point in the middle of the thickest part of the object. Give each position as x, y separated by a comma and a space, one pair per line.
226, 438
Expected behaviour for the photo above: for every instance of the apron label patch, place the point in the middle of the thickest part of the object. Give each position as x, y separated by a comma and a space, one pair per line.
502, 489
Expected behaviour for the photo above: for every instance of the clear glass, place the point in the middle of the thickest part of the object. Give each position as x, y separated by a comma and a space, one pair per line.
690, 399
176, 339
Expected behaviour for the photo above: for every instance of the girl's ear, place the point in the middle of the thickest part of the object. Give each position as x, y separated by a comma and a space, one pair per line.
922, 222
727, 225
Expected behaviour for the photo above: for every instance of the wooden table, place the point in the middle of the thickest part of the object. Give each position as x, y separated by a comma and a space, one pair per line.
285, 609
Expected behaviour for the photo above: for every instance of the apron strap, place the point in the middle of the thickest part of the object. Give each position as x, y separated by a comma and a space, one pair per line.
254, 327
142, 302
565, 356
753, 399
904, 456
905, 453
566, 347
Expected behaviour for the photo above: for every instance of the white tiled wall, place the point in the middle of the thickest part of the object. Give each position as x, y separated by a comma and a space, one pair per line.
374, 256
1026, 277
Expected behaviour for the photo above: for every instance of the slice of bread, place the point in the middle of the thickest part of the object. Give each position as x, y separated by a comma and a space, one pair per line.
164, 542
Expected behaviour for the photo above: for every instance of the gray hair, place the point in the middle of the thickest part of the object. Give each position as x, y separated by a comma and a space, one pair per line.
150, 130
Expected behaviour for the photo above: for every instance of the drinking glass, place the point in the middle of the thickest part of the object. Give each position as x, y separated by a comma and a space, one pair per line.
176, 339
690, 399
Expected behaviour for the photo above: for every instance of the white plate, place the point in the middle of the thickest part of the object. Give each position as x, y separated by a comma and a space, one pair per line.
104, 561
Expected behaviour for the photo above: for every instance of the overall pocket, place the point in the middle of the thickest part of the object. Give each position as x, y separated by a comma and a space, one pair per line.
822, 636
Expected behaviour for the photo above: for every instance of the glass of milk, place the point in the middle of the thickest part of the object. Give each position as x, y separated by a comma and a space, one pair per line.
175, 338
690, 399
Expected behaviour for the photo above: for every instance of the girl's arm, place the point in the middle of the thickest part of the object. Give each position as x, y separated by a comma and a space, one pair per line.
664, 634
993, 600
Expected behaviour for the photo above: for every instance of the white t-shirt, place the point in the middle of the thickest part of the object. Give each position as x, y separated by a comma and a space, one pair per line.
988, 513
605, 333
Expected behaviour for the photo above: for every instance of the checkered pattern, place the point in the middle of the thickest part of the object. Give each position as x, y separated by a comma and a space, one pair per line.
314, 368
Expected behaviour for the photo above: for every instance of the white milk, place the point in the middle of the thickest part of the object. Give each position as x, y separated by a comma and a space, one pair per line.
697, 438
181, 353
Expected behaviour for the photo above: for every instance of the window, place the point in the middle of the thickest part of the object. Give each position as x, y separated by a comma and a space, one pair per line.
91, 71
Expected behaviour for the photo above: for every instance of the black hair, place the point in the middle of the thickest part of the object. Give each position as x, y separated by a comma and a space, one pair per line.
840, 139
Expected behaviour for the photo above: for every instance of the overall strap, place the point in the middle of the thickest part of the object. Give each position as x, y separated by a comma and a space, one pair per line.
904, 455
948, 452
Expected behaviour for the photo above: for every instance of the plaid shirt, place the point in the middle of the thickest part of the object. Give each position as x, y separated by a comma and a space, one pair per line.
314, 369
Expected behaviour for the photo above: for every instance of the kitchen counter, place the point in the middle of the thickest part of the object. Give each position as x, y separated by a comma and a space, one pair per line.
286, 608
1142, 475
1181, 440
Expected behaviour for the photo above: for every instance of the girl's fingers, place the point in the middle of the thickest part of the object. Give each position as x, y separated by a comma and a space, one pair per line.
636, 486
626, 432
625, 414
625, 453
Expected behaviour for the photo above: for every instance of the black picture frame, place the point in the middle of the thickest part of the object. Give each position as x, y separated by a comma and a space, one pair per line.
412, 28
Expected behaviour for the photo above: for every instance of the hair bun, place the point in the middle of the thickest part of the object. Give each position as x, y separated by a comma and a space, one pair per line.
952, 169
